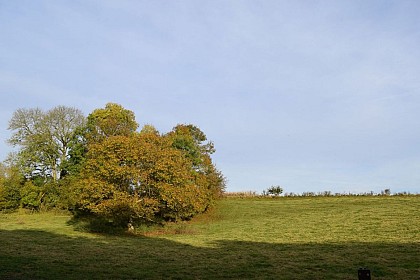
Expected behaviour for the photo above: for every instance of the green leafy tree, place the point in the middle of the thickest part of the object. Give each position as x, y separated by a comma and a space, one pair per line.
31, 196
64, 123
192, 142
10, 184
45, 138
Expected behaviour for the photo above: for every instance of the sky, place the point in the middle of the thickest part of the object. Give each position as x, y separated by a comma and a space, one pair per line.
308, 95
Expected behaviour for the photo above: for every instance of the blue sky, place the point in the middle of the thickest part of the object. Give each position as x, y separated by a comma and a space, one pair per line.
309, 95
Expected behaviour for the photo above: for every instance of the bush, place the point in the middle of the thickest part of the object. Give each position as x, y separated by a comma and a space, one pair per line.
274, 190
31, 196
10, 183
9, 197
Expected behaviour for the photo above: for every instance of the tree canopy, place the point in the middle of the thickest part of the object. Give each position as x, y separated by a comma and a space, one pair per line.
110, 121
113, 172
44, 138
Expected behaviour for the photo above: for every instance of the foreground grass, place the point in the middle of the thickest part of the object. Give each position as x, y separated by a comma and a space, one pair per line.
286, 238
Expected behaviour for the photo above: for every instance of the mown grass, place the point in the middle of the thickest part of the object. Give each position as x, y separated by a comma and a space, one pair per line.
249, 238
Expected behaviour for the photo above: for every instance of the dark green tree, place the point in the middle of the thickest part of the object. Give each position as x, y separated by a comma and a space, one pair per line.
194, 144
275, 190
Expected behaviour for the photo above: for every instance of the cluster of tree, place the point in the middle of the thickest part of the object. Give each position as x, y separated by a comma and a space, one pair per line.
101, 166
385, 192
276, 191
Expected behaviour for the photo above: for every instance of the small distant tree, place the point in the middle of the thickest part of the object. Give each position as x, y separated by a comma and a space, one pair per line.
275, 190
386, 192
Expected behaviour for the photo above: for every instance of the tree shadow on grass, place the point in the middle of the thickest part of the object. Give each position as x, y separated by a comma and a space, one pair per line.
27, 254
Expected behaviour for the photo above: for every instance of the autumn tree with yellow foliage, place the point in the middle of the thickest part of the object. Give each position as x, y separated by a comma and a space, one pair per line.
110, 171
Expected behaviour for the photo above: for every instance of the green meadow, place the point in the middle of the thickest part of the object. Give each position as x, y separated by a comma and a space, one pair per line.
242, 238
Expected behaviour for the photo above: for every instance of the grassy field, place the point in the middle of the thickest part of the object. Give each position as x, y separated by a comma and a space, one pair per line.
285, 238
